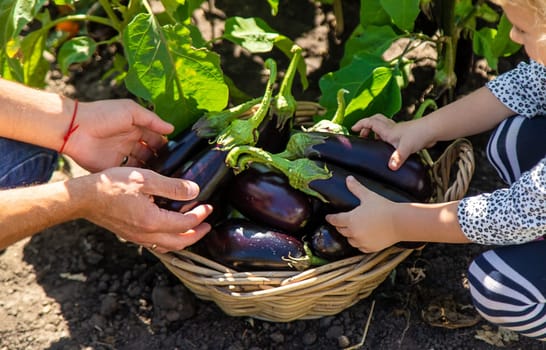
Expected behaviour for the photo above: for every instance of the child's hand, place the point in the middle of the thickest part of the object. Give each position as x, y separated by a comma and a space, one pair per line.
369, 227
407, 137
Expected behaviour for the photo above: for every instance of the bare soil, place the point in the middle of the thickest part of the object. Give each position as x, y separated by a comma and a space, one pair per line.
76, 286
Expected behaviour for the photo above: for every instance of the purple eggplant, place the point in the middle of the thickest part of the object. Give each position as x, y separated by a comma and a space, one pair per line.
171, 156
243, 244
187, 143
315, 178
363, 156
327, 243
268, 198
208, 170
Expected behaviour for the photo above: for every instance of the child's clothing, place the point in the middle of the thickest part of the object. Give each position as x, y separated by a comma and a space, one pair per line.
508, 284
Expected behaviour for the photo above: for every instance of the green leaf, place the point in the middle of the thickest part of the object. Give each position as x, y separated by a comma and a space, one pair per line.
373, 13
165, 69
371, 40
251, 33
14, 16
494, 43
379, 94
255, 35
181, 10
35, 66
75, 50
402, 12
360, 79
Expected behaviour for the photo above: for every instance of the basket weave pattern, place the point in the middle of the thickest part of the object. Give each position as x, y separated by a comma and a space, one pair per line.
282, 296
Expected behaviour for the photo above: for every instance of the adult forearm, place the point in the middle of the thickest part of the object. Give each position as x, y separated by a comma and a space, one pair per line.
33, 116
475, 113
28, 210
428, 222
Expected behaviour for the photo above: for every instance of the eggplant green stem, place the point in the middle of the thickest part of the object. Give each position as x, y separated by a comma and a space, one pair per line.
300, 142
211, 123
306, 261
245, 132
428, 103
300, 172
284, 105
335, 125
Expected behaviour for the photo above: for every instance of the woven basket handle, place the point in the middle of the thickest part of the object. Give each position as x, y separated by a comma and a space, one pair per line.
459, 157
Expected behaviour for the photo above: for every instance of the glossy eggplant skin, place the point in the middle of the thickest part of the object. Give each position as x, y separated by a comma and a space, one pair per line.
329, 244
340, 199
208, 170
177, 151
370, 157
242, 244
268, 198
335, 191
274, 137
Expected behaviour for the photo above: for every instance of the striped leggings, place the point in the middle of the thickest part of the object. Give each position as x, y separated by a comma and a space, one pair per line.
508, 284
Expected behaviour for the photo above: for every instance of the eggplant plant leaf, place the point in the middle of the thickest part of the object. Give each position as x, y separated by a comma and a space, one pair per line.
165, 69
373, 87
14, 16
402, 12
494, 43
256, 36
373, 13
35, 66
372, 40
75, 50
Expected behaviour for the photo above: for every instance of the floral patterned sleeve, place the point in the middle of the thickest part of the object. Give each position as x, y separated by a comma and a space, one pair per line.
522, 89
507, 216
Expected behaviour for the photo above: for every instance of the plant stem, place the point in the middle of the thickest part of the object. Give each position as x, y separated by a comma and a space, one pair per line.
110, 13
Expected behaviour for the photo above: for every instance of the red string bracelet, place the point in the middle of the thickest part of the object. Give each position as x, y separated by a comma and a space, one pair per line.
71, 127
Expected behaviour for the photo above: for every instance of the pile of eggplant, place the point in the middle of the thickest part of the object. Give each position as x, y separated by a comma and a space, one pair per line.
271, 182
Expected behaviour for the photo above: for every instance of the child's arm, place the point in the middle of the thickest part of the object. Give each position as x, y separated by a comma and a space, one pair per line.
379, 223
512, 215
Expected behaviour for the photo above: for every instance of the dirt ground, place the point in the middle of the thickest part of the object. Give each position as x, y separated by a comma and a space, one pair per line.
76, 286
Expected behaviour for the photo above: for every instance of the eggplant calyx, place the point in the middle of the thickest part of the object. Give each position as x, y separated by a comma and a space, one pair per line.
245, 132
211, 123
334, 126
300, 172
300, 143
306, 261
284, 104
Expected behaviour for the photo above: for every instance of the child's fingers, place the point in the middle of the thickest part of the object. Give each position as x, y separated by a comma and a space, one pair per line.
356, 188
378, 123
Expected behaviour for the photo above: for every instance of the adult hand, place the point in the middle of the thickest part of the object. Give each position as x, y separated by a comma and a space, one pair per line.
110, 130
369, 227
121, 200
406, 137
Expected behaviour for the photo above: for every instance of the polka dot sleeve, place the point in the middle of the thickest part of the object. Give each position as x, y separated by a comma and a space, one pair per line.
522, 89
512, 215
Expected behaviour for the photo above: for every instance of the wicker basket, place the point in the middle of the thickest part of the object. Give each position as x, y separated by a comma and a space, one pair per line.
283, 296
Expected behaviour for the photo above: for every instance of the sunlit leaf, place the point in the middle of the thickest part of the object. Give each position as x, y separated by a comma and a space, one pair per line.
165, 69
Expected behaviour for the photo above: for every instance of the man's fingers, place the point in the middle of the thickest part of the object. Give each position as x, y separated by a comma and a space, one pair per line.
165, 242
167, 187
147, 119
